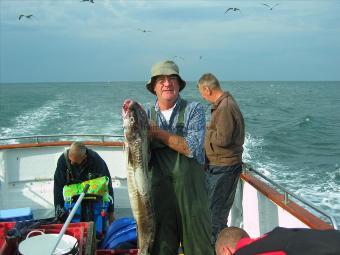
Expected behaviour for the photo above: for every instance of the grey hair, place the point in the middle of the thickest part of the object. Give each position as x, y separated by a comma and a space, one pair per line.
78, 148
208, 80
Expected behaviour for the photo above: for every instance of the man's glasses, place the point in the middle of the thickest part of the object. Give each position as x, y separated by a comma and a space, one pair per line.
162, 78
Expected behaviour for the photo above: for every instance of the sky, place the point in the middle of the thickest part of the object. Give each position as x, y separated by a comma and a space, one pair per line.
74, 41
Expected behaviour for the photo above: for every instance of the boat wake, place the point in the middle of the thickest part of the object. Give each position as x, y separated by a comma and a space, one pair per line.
32, 121
322, 190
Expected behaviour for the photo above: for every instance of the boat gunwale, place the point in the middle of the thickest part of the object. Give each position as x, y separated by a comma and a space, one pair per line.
292, 207
59, 143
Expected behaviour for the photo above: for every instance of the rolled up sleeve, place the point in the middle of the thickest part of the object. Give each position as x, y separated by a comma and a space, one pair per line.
195, 132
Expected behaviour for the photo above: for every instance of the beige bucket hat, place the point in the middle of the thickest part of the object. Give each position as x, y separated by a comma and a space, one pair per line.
166, 67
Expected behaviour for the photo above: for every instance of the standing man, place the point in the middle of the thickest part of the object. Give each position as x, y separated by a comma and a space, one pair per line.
178, 181
224, 140
76, 165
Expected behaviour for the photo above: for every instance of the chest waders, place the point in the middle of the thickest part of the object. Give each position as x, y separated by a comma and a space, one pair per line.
180, 200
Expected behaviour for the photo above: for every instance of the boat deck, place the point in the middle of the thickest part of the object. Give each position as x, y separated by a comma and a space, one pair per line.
26, 180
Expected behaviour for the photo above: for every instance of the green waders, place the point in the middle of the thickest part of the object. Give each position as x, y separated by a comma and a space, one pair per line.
180, 200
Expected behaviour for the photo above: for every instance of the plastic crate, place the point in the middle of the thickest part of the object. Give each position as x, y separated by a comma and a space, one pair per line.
51, 228
17, 214
82, 231
4, 226
97, 208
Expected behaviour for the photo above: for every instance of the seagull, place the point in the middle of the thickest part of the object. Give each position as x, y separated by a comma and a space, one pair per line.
144, 31
26, 16
178, 57
92, 1
271, 7
232, 9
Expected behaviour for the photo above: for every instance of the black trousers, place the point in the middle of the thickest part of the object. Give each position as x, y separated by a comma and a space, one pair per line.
221, 185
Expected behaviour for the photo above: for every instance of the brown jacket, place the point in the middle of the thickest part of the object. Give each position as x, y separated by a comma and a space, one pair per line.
224, 137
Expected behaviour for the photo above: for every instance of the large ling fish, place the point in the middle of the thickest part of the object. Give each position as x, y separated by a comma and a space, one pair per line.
136, 125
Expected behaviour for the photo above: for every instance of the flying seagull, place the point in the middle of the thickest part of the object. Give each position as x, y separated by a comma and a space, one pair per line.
144, 31
92, 1
26, 16
178, 57
232, 9
270, 7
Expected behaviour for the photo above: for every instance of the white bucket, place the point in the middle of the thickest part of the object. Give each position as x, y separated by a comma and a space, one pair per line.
44, 243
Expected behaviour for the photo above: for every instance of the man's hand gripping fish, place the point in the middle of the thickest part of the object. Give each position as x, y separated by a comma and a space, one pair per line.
136, 126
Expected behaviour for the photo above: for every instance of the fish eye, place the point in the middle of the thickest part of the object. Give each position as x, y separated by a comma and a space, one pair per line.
132, 119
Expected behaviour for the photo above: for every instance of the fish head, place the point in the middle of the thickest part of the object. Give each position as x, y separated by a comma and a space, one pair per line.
135, 120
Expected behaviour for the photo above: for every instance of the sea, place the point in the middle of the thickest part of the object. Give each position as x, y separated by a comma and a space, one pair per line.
292, 128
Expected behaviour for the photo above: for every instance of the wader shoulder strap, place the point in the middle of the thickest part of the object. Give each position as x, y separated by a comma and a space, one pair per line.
68, 167
154, 143
153, 114
180, 121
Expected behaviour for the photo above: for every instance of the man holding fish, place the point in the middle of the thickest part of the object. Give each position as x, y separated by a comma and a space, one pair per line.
178, 191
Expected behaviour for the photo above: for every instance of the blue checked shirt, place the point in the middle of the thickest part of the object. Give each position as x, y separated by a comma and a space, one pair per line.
194, 126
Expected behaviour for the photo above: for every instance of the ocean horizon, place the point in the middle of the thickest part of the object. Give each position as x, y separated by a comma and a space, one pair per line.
190, 81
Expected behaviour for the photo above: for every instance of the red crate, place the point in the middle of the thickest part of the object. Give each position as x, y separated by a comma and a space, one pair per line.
121, 252
85, 225
78, 230
4, 226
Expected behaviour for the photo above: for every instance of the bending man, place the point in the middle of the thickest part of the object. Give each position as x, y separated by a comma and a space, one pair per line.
280, 241
76, 165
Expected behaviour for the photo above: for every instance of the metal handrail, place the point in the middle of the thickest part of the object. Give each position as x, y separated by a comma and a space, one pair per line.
37, 137
287, 193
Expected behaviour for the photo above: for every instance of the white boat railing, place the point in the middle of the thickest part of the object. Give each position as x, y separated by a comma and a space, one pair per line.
287, 194
41, 138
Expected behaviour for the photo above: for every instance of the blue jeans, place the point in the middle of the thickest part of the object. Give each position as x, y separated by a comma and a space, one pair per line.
221, 185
